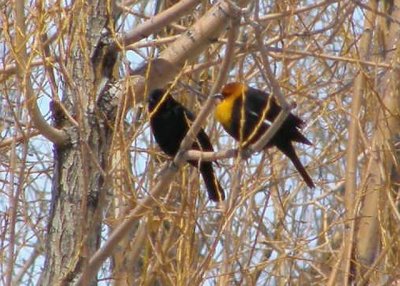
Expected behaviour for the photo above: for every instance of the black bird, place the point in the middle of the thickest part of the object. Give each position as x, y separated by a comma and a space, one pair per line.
249, 121
170, 121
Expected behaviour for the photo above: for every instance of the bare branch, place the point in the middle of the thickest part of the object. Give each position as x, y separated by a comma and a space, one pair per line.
352, 147
56, 136
276, 91
158, 22
188, 45
210, 156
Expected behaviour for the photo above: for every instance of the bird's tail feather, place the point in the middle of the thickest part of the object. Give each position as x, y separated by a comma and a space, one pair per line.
289, 151
298, 137
215, 191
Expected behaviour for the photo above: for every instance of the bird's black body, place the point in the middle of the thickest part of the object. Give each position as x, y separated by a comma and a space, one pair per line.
255, 104
249, 121
170, 122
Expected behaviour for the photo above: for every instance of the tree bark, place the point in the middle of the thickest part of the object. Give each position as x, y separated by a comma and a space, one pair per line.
382, 159
79, 183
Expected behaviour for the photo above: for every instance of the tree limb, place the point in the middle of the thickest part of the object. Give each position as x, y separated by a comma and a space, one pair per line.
56, 136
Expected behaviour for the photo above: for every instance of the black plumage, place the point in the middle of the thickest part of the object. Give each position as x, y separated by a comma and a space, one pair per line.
170, 121
249, 121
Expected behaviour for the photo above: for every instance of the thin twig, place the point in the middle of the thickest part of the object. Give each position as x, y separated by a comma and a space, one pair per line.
7, 143
276, 91
56, 136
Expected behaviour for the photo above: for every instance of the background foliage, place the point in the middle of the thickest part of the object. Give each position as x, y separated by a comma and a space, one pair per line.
336, 60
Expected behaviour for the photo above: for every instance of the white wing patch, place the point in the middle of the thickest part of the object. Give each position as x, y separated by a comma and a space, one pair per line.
266, 121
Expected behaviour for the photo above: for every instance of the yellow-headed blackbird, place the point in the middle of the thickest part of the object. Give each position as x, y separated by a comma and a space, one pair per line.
249, 121
170, 122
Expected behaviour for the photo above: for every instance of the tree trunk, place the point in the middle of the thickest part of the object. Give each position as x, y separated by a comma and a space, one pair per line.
377, 182
78, 192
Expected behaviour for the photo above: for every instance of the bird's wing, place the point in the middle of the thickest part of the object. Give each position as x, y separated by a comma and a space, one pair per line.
202, 141
259, 102
254, 116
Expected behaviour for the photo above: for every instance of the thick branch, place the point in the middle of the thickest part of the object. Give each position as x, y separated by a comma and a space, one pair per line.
158, 22
210, 156
352, 147
381, 161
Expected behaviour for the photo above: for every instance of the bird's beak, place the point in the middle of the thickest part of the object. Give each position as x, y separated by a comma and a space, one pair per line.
218, 96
